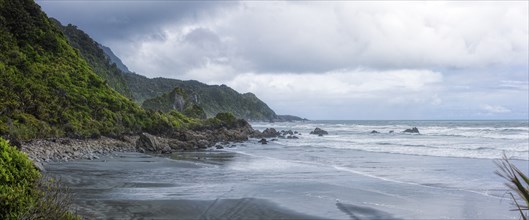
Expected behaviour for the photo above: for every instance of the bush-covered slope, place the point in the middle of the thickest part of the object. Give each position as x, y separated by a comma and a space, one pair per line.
101, 63
47, 89
212, 98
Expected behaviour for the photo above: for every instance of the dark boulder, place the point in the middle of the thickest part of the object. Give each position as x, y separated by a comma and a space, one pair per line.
391, 132
292, 137
374, 132
319, 132
263, 141
269, 133
147, 143
412, 130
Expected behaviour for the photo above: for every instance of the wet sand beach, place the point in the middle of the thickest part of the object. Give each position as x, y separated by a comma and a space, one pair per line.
217, 184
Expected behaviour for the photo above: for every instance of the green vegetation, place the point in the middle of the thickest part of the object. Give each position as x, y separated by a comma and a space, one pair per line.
24, 194
518, 182
49, 90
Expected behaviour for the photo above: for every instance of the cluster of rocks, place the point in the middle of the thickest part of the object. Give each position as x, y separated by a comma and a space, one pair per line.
319, 132
194, 139
412, 130
273, 133
409, 130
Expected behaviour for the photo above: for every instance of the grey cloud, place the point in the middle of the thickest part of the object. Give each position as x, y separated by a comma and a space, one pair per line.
323, 37
305, 37
126, 20
479, 48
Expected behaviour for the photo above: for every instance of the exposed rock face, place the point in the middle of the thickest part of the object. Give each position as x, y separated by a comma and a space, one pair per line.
412, 130
374, 132
319, 132
178, 102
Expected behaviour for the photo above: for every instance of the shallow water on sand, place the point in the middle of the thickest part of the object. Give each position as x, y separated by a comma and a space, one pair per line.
233, 185
445, 172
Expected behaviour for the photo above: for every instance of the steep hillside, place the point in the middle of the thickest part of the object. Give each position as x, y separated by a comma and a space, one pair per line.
47, 89
102, 64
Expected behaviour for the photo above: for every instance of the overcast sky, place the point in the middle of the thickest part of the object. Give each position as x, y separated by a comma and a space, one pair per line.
329, 60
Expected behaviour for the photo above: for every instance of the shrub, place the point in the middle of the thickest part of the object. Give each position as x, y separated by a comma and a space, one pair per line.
25, 194
17, 180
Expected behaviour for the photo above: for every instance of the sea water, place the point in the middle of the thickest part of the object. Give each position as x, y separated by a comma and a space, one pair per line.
468, 139
444, 153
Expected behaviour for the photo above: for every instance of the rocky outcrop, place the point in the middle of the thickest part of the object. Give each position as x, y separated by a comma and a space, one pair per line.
412, 130
374, 132
319, 132
270, 132
194, 139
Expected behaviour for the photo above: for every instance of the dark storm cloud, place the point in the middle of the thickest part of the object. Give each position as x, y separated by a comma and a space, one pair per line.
125, 20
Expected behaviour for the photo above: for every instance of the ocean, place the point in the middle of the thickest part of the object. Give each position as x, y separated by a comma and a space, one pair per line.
469, 139
446, 171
